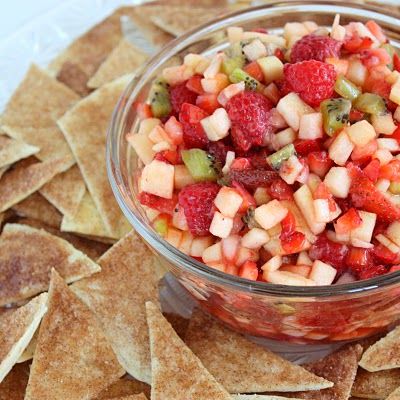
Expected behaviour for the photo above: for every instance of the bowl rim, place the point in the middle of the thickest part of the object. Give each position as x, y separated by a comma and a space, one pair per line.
175, 256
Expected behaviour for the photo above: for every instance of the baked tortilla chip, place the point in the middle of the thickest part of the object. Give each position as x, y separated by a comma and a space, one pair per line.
384, 354
27, 256
14, 385
92, 116
177, 374
259, 397
71, 75
32, 112
12, 150
124, 59
394, 395
117, 295
73, 359
125, 386
30, 349
242, 366
37, 207
375, 385
133, 397
20, 182
65, 191
16, 331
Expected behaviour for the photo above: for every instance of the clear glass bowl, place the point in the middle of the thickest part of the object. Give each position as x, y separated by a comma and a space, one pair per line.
324, 314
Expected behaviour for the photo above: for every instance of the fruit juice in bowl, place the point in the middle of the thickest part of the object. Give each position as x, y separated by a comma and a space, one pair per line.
257, 156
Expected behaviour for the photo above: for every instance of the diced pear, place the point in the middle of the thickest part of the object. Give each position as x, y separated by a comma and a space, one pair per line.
199, 244
186, 243
289, 278
235, 34
255, 238
212, 253
261, 196
292, 108
387, 243
304, 259
272, 68
322, 273
147, 125
158, 178
321, 210
174, 237
384, 156
255, 50
228, 201
393, 232
389, 144
341, 148
270, 214
383, 124
142, 145
283, 138
273, 264
311, 126
357, 72
182, 177
221, 226
361, 133
395, 92
365, 230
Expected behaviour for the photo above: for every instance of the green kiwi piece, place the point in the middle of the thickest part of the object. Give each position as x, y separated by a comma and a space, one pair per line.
159, 99
200, 165
276, 159
238, 75
370, 103
346, 88
335, 114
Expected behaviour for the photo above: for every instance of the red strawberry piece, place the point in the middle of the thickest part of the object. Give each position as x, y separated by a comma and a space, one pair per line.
158, 203
348, 221
208, 102
241, 163
356, 115
312, 80
358, 259
249, 271
330, 252
250, 118
280, 54
254, 70
288, 225
194, 84
253, 178
396, 62
319, 163
143, 110
293, 243
315, 47
169, 156
248, 199
355, 44
197, 201
396, 134
372, 272
383, 255
280, 190
304, 147
390, 171
193, 133
364, 195
179, 95
219, 150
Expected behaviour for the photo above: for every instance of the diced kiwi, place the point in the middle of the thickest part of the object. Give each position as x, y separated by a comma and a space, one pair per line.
159, 99
346, 89
230, 64
370, 103
200, 165
238, 75
394, 187
335, 114
276, 159
161, 226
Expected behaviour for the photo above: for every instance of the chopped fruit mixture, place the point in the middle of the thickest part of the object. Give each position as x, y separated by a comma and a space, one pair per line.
278, 160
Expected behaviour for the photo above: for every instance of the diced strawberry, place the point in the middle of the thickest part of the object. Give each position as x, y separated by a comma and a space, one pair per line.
248, 199
179, 95
288, 225
396, 134
358, 258
208, 102
293, 243
194, 84
158, 203
372, 170
376, 83
394, 268
304, 147
383, 255
249, 271
364, 153
241, 163
372, 272
279, 53
253, 178
193, 133
356, 115
254, 70
391, 171
197, 201
280, 190
322, 192
348, 221
143, 110
396, 62
374, 57
171, 156
376, 30
319, 163
366, 196
355, 44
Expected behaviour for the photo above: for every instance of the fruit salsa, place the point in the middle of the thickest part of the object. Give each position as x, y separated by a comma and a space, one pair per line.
278, 159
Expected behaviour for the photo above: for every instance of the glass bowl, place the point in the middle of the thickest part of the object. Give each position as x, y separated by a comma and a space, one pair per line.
324, 314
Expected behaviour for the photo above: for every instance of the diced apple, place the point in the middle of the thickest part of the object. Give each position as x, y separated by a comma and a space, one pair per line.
357, 72
313, 182
158, 179
230, 91
255, 50
235, 34
142, 146
162, 146
218, 266
215, 66
311, 126
216, 84
230, 157
228, 201
345, 278
273, 264
291, 169
147, 125
382, 185
338, 32
261, 196
361, 133
322, 273
395, 92
174, 237
151, 213
217, 125
221, 226
212, 253
274, 247
384, 156
304, 201
387, 243
197, 62
246, 254
270, 214
360, 243
179, 219
302, 270
311, 26
392, 77
365, 230
199, 244
158, 134
265, 38
393, 232
283, 138
341, 148
304, 259
341, 65
294, 29
255, 238
292, 108
338, 237
230, 248
289, 278
182, 177
186, 243
383, 124
388, 144
321, 210
272, 68
177, 74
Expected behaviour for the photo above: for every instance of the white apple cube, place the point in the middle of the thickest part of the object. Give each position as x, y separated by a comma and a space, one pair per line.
212, 253
246, 254
360, 243
228, 201
235, 34
161, 146
273, 264
383, 124
357, 72
232, 90
387, 243
395, 92
384, 156
261, 196
230, 248
158, 178
304, 259
147, 125
186, 243
179, 219
282, 138
321, 210
199, 244
215, 66
255, 238
322, 273
174, 237
311, 126
182, 177
313, 182
291, 169
230, 157
361, 133
221, 226
217, 125
302, 270
393, 232
197, 62
177, 74
365, 230
292, 108
158, 134
382, 185
338, 181
269, 215
341, 148
289, 278
388, 144
255, 50
143, 146
272, 68
294, 29
265, 38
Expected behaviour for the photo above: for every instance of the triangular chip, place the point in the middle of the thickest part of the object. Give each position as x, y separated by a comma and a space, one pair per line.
340, 368
260, 397
65, 191
133, 397
394, 395
177, 374
73, 359
242, 366
124, 59
37, 207
33, 110
16, 331
12, 150
375, 385
30, 349
117, 295
14, 385
92, 116
27, 256
384, 354
17, 184
125, 386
